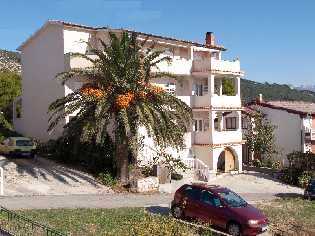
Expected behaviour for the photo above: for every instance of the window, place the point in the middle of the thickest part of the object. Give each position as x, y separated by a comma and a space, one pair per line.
210, 199
244, 123
232, 199
192, 193
170, 88
198, 125
230, 123
24, 143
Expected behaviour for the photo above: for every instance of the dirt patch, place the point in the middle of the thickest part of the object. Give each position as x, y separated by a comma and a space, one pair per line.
41, 176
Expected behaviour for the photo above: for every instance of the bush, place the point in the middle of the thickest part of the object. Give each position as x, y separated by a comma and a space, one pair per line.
107, 179
176, 176
257, 163
304, 179
276, 165
95, 158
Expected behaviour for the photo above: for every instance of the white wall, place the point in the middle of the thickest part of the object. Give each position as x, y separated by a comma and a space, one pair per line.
42, 58
287, 132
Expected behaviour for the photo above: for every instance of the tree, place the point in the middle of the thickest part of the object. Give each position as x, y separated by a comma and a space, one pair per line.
10, 88
228, 87
260, 135
119, 98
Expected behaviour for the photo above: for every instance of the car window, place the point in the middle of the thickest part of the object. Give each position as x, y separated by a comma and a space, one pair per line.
192, 193
232, 199
24, 143
210, 199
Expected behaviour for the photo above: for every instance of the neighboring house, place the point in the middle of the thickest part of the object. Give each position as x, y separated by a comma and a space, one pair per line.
216, 136
294, 122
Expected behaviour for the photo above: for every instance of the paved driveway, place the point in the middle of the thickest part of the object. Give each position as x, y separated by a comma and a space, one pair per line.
41, 176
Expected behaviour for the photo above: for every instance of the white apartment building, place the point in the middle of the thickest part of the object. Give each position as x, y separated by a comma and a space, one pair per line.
215, 141
294, 123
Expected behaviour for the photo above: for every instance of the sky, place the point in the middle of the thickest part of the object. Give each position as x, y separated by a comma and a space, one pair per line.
274, 39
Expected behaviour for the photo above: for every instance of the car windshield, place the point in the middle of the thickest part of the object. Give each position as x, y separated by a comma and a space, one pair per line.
24, 143
232, 199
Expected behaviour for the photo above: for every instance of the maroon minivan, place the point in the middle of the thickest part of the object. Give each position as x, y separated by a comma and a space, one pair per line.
218, 206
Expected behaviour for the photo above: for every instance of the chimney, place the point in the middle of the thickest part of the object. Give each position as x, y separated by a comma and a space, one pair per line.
259, 99
210, 39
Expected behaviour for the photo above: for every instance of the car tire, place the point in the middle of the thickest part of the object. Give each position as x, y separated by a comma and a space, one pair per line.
234, 229
177, 212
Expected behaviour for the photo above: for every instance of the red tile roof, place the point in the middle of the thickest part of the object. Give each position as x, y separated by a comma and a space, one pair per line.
296, 107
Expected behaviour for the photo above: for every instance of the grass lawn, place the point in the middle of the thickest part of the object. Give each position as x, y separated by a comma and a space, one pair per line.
295, 215
121, 221
292, 215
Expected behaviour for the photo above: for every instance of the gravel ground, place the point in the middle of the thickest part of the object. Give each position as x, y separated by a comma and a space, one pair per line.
40, 176
256, 183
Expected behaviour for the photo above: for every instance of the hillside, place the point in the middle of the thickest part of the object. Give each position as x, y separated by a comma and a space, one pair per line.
10, 61
251, 89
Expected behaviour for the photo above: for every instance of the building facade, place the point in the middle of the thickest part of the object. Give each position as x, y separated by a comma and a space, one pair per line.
294, 125
215, 140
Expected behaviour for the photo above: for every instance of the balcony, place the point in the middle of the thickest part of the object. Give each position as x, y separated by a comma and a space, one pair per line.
77, 62
217, 66
196, 101
178, 66
226, 67
225, 101
217, 137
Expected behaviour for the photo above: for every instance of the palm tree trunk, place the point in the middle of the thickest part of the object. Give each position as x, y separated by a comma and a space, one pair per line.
122, 162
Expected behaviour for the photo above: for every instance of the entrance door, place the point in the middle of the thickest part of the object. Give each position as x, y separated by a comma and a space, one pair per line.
229, 160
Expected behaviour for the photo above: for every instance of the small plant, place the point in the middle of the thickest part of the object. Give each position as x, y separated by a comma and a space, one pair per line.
107, 179
176, 176
257, 163
276, 165
304, 179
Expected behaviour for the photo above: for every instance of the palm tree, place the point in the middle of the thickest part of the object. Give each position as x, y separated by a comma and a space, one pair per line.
118, 98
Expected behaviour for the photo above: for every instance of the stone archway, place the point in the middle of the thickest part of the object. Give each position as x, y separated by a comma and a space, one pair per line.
227, 161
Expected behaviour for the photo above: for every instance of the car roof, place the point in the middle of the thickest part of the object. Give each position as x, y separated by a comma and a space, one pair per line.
213, 188
19, 138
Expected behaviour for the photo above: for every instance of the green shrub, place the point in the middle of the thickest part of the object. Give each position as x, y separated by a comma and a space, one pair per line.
257, 163
176, 176
304, 179
276, 165
107, 179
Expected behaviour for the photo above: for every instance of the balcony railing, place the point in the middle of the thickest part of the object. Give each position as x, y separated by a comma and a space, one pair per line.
225, 66
217, 66
207, 137
177, 66
225, 101
77, 62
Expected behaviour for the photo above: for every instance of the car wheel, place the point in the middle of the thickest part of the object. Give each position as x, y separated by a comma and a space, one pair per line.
234, 229
177, 212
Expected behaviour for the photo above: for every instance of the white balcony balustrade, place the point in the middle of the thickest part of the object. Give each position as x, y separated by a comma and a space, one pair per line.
225, 101
77, 62
226, 66
217, 137
177, 66
217, 66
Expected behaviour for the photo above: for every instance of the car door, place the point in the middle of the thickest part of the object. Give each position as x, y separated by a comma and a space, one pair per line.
213, 210
191, 202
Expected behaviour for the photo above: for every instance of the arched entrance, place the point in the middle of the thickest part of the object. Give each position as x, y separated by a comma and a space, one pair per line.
227, 161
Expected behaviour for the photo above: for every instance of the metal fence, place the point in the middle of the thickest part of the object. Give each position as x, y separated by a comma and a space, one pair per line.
15, 224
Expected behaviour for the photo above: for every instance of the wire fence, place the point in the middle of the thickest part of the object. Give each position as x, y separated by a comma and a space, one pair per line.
14, 224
